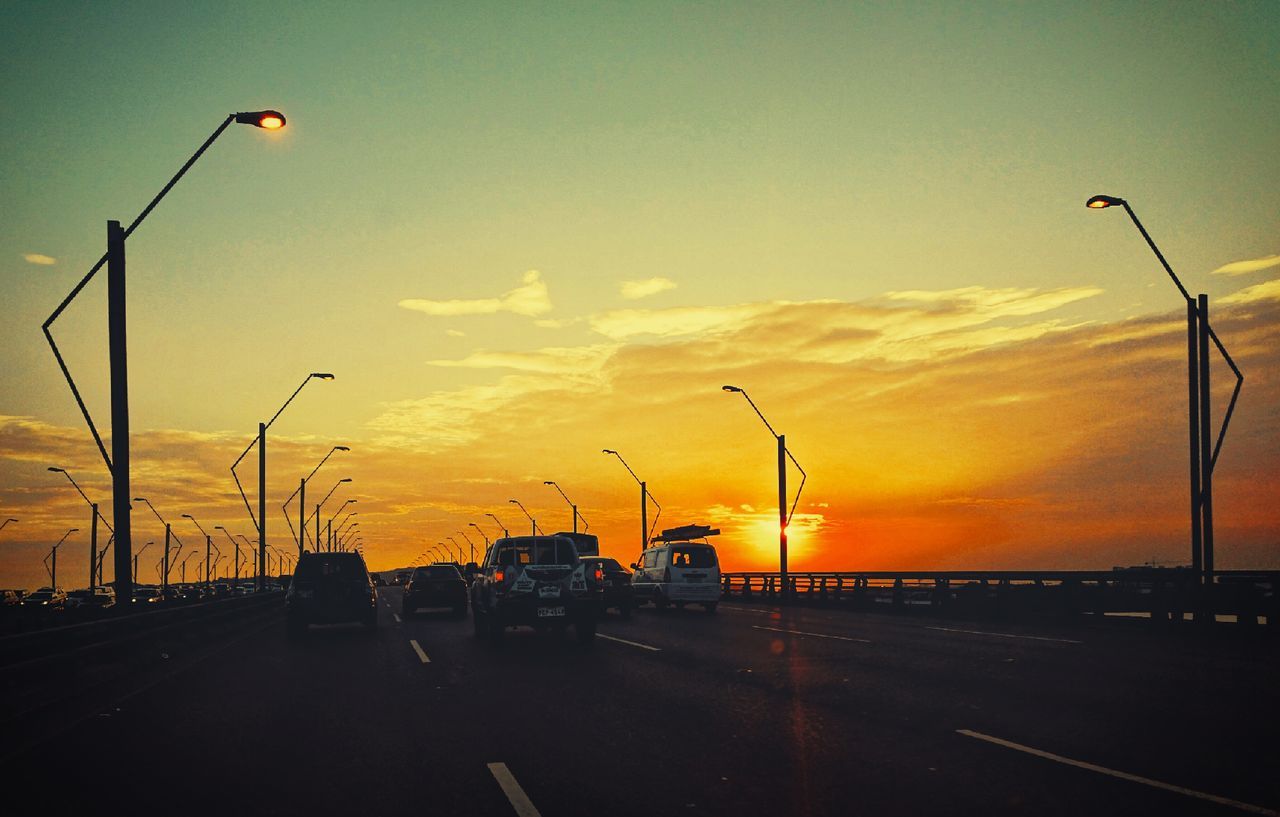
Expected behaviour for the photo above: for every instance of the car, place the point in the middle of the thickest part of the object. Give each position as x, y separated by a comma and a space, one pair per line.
677, 570
435, 586
539, 582
86, 599
617, 585
220, 590
46, 598
10, 598
146, 594
331, 588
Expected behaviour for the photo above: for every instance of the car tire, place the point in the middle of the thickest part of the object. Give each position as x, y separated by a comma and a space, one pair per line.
586, 631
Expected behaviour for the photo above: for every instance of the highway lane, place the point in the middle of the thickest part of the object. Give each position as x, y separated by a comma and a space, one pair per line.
698, 714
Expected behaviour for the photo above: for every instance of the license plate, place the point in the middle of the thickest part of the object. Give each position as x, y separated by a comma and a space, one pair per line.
550, 612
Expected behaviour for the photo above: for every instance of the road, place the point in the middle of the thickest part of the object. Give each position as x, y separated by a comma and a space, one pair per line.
751, 711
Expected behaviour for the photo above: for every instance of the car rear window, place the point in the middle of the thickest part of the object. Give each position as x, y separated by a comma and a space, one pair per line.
437, 572
345, 566
540, 551
693, 557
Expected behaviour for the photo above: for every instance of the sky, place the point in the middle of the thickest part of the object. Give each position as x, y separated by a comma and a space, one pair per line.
519, 234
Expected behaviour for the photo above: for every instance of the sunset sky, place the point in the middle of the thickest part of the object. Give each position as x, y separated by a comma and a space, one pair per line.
521, 233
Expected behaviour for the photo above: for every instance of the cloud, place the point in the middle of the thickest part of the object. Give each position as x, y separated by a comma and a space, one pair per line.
529, 299
572, 360
39, 258
455, 333
675, 321
1252, 265
1266, 291
634, 290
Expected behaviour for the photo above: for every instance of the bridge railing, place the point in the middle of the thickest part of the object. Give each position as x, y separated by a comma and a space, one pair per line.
1163, 594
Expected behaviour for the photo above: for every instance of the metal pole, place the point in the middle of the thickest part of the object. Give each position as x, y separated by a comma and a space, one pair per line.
164, 580
118, 355
575, 518
1206, 456
208, 547
329, 534
262, 505
782, 516
318, 547
53, 574
644, 516
302, 519
93, 548
1193, 421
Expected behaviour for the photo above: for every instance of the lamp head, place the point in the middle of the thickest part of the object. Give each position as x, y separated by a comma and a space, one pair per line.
139, 499
548, 482
513, 502
1101, 202
731, 388
56, 470
322, 375
607, 451
345, 479
188, 516
341, 448
267, 120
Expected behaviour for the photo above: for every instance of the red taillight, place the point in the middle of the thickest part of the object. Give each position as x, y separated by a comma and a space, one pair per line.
599, 574
499, 575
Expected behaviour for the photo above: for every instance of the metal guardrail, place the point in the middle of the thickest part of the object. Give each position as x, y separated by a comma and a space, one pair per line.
83, 638
1164, 594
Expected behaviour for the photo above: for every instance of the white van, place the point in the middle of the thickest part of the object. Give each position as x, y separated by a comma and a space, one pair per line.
678, 572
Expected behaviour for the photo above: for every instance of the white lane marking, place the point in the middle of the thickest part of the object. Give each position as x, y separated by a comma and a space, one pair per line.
396, 616
519, 800
1006, 635
815, 635
745, 610
418, 649
1132, 778
632, 643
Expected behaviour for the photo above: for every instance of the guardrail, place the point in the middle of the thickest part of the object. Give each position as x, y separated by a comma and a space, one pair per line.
87, 637
1164, 594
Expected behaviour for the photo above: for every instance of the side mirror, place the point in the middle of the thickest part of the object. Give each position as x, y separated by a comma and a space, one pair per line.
635, 566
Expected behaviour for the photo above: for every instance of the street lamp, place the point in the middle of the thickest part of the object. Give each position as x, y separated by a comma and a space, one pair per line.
576, 515
516, 502
183, 567
258, 564
135, 560
1202, 460
645, 529
118, 462
168, 534
301, 493
53, 572
208, 544
470, 544
329, 525
461, 556
94, 515
501, 526
261, 441
784, 516
321, 505
236, 559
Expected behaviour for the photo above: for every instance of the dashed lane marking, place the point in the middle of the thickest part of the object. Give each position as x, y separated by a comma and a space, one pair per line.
1132, 778
632, 643
422, 656
396, 616
1006, 635
519, 800
814, 635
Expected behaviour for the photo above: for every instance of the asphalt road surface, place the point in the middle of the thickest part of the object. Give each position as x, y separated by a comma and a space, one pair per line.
750, 711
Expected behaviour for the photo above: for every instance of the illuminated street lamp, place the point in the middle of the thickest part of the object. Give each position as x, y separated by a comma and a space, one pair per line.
576, 515
784, 516
118, 462
260, 522
1202, 459
301, 534
53, 554
646, 531
95, 558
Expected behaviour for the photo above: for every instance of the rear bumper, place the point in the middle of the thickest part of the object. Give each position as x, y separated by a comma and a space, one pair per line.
524, 610
708, 592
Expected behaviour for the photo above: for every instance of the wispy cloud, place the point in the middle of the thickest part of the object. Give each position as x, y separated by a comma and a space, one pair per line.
530, 299
455, 333
1251, 265
634, 290
39, 258
1266, 291
551, 360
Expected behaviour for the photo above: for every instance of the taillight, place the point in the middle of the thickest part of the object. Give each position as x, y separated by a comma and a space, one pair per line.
599, 575
499, 575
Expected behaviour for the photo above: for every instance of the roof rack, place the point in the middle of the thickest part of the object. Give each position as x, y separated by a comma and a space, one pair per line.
686, 532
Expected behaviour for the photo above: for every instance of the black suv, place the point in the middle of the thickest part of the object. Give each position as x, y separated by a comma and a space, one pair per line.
435, 586
539, 582
617, 584
330, 588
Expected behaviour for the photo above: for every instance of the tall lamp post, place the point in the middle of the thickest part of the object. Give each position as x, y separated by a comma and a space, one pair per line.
320, 505
516, 502
135, 562
484, 535
576, 515
646, 531
53, 554
235, 558
1202, 458
784, 516
301, 493
94, 516
260, 521
501, 526
462, 557
208, 545
257, 563
329, 525
118, 462
470, 544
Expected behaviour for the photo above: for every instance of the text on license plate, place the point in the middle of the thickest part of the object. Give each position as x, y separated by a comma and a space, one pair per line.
550, 612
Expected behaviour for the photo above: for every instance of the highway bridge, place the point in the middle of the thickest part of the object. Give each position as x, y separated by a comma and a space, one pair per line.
758, 709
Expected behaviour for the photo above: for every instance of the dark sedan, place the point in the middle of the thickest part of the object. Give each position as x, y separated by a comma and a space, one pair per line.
617, 584
435, 586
